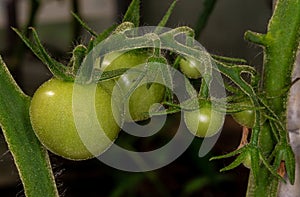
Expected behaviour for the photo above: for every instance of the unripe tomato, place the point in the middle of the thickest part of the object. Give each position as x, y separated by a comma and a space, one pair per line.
190, 67
51, 115
245, 118
204, 122
247, 161
141, 98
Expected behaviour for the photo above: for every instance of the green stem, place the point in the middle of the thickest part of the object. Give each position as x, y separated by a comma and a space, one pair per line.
30, 156
280, 45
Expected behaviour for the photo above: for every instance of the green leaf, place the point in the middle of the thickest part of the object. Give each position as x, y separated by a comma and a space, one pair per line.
167, 15
239, 160
84, 25
204, 15
231, 154
30, 156
133, 13
59, 70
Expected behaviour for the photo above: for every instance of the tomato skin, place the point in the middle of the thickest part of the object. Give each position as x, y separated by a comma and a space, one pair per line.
245, 118
190, 68
247, 161
143, 97
204, 122
51, 115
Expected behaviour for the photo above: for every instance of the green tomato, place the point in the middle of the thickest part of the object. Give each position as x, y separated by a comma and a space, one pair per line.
143, 97
247, 161
204, 122
51, 115
190, 67
245, 118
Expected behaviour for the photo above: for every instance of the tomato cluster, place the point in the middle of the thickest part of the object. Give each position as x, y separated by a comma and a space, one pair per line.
52, 111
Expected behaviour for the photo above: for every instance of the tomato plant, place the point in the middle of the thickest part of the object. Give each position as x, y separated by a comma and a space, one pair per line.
51, 115
143, 97
204, 122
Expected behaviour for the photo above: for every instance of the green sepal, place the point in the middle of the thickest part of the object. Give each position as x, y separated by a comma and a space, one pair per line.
101, 76
284, 152
78, 55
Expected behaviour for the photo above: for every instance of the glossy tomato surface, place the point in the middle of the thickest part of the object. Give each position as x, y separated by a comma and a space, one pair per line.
52, 117
204, 122
143, 97
190, 67
245, 118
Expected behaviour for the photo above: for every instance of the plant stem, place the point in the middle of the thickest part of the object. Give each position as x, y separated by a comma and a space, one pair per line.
30, 156
280, 45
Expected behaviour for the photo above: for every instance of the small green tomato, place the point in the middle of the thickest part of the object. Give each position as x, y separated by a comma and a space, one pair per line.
142, 98
204, 122
245, 118
247, 161
190, 67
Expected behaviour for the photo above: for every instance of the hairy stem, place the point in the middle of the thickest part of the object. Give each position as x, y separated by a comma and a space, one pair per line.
280, 44
30, 156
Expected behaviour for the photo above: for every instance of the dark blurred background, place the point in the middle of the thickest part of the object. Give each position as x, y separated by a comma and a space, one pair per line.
189, 175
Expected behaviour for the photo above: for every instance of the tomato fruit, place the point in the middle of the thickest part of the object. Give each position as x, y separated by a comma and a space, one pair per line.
247, 161
204, 122
245, 118
51, 115
190, 67
143, 97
